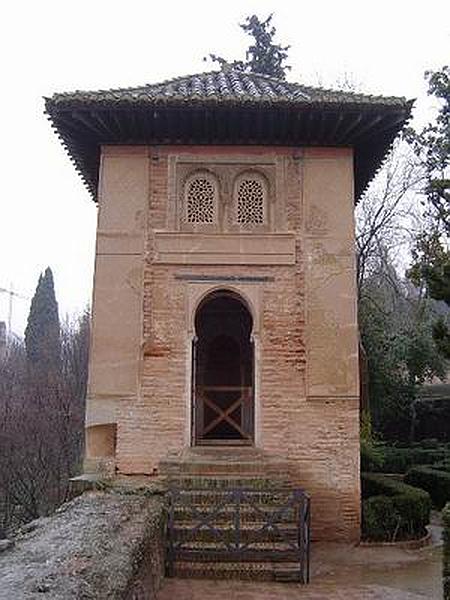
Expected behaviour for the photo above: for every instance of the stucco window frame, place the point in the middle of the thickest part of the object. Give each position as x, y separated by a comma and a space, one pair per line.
227, 167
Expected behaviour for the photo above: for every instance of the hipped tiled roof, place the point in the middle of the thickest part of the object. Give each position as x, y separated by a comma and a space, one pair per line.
221, 87
226, 107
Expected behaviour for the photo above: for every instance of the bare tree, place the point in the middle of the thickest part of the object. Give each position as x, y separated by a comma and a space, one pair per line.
41, 427
395, 319
387, 214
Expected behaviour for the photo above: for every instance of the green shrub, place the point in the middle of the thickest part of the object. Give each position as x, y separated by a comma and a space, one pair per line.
371, 453
392, 510
444, 465
433, 480
429, 443
371, 457
446, 553
399, 460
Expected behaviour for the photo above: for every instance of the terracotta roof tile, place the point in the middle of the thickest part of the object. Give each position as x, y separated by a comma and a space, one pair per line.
222, 87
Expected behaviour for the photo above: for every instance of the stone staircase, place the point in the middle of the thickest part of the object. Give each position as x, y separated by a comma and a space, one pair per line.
234, 514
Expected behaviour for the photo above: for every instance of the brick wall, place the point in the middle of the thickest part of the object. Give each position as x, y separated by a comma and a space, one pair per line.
307, 411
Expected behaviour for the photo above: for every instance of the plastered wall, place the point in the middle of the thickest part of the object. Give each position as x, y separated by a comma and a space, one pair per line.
118, 284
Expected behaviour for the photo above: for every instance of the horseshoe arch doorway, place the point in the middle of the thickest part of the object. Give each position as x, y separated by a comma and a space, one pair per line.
223, 372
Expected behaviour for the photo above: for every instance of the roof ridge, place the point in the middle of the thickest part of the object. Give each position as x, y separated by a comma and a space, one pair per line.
181, 77
327, 90
136, 87
330, 90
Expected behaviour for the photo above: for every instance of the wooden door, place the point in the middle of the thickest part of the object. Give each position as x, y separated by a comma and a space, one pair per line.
223, 391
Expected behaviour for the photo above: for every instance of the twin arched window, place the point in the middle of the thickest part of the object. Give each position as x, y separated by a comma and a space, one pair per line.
249, 200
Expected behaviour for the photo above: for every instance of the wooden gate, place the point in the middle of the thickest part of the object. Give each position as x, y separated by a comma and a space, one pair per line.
224, 415
241, 526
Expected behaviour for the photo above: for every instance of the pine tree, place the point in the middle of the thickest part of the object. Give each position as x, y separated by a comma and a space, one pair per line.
430, 268
432, 146
441, 336
431, 254
263, 55
42, 334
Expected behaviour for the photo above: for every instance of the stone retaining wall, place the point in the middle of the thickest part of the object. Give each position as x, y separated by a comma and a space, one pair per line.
101, 545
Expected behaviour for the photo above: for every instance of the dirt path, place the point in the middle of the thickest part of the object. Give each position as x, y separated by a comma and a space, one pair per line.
339, 573
184, 589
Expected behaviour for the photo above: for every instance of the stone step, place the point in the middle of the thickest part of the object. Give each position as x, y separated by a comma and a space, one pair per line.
212, 551
220, 486
226, 514
208, 468
227, 482
251, 532
207, 462
266, 571
245, 497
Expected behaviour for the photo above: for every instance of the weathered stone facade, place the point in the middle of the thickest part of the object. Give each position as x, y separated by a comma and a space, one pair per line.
298, 280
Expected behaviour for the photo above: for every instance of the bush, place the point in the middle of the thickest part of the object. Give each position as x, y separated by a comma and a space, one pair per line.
399, 460
433, 480
429, 443
446, 553
442, 466
370, 451
371, 457
392, 510
433, 415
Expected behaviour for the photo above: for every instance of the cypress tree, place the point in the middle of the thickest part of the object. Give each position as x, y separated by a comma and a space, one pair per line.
42, 334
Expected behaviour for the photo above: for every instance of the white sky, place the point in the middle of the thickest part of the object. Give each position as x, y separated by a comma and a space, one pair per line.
46, 215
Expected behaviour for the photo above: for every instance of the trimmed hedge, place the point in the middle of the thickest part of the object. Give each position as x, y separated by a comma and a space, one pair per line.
435, 481
372, 458
446, 553
442, 466
399, 460
392, 510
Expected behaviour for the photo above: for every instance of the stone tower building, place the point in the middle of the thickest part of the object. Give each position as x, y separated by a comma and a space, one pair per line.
224, 309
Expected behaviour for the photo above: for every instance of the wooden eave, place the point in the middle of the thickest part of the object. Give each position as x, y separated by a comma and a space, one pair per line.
369, 129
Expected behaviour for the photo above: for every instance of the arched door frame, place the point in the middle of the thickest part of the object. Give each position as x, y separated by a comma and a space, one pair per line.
250, 295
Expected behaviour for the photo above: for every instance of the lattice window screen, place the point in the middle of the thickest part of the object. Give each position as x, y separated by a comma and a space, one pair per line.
251, 202
201, 200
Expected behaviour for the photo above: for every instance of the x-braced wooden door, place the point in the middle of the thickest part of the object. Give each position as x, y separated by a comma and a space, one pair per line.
222, 373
